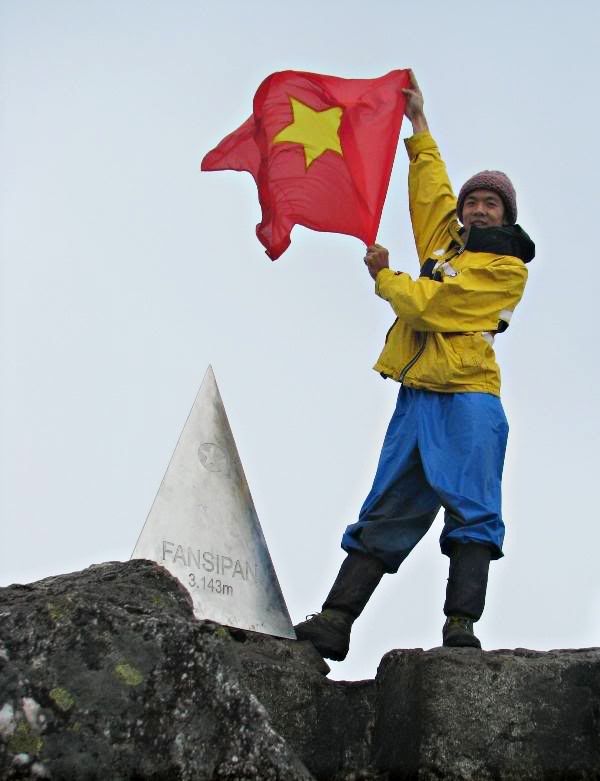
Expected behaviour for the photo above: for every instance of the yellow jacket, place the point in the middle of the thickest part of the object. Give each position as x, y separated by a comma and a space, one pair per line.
443, 336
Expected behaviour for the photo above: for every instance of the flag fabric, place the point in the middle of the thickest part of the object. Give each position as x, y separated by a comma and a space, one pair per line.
320, 149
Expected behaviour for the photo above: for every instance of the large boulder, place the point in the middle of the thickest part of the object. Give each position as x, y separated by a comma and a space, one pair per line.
465, 714
105, 674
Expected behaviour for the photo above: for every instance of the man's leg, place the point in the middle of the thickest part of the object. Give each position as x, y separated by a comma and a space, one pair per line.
397, 512
465, 593
329, 630
463, 440
401, 505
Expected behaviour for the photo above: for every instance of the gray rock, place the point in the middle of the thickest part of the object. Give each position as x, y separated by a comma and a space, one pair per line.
467, 714
105, 674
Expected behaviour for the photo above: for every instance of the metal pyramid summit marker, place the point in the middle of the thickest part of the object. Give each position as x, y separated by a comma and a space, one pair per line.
204, 529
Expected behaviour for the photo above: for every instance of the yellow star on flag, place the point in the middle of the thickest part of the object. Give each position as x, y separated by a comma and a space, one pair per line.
317, 131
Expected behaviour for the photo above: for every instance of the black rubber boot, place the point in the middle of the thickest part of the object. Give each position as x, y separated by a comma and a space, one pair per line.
465, 593
329, 631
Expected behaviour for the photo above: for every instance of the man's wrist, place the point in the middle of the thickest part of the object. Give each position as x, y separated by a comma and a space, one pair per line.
419, 123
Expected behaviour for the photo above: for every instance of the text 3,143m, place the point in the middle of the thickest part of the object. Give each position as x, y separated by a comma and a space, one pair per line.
210, 584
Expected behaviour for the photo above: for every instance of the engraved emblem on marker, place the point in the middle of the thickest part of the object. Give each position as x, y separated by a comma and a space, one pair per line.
212, 457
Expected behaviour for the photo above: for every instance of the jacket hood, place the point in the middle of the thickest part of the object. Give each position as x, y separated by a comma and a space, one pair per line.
506, 240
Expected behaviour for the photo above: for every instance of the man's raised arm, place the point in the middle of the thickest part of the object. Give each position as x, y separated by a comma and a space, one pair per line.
432, 201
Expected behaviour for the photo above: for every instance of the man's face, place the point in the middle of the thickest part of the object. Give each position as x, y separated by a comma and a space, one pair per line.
483, 208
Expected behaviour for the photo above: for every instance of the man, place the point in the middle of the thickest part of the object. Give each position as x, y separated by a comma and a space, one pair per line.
446, 440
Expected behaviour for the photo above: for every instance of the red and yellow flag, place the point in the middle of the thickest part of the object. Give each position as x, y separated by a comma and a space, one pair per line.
320, 149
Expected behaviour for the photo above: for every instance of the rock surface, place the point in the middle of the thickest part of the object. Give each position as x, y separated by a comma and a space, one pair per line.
105, 674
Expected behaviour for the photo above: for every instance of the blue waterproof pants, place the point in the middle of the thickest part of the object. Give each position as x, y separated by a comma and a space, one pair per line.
440, 449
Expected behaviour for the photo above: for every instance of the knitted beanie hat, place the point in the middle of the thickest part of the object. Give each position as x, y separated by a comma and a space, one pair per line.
496, 181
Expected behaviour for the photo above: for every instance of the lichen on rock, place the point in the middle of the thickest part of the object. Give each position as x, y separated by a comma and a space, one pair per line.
25, 740
129, 674
62, 698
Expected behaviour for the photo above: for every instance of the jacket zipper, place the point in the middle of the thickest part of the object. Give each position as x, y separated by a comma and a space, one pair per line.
413, 360
421, 349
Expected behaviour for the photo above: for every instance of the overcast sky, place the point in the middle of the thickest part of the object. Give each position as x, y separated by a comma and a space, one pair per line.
125, 272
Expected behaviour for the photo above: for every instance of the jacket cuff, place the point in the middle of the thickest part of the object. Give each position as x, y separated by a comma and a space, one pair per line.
382, 276
419, 142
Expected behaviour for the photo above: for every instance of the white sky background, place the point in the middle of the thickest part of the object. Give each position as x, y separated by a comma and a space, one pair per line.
125, 272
